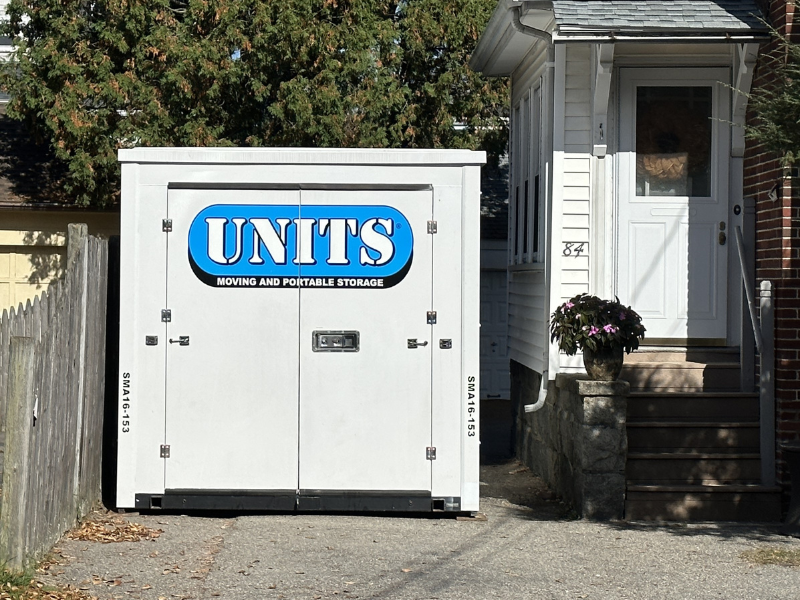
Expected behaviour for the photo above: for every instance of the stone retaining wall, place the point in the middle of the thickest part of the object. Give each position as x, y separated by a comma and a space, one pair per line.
577, 442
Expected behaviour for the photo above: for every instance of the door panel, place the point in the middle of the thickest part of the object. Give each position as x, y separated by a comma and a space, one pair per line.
365, 416
231, 398
673, 201
701, 301
647, 268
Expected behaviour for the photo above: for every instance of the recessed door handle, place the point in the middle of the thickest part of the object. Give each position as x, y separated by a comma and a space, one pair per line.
182, 340
722, 238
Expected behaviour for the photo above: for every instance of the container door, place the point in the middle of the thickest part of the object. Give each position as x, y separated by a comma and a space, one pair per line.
232, 363
365, 341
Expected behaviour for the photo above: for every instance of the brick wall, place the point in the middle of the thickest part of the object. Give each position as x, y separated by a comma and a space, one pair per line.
778, 247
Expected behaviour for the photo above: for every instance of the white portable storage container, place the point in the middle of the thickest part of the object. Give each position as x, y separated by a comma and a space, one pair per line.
299, 329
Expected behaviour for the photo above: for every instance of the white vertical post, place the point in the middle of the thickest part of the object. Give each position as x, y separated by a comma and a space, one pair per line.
767, 386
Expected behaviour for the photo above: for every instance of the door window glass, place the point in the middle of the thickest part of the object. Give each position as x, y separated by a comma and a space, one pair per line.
673, 141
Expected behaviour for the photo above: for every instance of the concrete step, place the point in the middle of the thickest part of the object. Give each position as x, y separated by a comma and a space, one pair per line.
682, 376
695, 355
753, 503
685, 468
693, 437
693, 406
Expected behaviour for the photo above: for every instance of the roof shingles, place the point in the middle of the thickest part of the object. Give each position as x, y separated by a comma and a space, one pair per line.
661, 15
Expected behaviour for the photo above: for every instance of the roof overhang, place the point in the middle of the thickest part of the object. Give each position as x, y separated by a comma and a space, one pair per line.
658, 36
504, 44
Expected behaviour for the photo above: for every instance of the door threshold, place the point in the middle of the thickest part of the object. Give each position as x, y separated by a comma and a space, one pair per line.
685, 342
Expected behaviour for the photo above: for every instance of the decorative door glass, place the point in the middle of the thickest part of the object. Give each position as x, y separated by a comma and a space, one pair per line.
673, 141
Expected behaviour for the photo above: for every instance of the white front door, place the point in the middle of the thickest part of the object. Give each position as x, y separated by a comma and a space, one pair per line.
673, 202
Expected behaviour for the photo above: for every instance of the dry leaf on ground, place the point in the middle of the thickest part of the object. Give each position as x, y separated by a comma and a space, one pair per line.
112, 528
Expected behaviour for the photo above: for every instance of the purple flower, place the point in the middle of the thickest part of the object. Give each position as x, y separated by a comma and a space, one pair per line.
610, 328
593, 330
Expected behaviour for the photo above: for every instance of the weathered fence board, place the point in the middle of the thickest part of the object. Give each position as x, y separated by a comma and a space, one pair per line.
56, 478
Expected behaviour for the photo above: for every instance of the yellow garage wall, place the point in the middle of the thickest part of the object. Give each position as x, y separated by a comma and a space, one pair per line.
33, 248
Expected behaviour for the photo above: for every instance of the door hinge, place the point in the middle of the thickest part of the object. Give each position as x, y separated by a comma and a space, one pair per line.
431, 317
166, 315
164, 451
430, 453
433, 227
166, 225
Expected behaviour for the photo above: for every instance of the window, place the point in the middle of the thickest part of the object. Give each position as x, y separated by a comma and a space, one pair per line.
673, 141
526, 207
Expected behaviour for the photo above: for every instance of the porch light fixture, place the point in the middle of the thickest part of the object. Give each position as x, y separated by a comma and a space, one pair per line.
774, 193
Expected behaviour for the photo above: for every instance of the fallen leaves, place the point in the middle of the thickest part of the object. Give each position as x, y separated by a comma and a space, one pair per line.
768, 555
110, 528
38, 591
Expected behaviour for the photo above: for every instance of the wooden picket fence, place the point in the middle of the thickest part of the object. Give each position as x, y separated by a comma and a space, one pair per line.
52, 372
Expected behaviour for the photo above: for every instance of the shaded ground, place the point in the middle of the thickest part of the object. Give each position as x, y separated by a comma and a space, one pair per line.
504, 478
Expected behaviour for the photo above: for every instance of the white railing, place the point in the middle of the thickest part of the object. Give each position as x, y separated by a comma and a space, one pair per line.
764, 334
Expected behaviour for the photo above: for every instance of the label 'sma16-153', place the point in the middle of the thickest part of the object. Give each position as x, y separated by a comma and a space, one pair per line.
245, 245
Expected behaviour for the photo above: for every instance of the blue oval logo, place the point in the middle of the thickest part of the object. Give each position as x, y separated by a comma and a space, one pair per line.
245, 245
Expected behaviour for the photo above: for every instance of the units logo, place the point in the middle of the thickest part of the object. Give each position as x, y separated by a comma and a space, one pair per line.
245, 245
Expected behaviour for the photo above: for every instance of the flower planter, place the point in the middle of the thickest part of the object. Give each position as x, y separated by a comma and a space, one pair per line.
585, 322
603, 364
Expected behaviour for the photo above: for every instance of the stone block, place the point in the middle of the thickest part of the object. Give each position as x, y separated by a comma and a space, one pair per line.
603, 496
602, 449
604, 410
587, 387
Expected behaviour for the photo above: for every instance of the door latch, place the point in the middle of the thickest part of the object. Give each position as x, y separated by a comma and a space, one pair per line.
413, 343
182, 340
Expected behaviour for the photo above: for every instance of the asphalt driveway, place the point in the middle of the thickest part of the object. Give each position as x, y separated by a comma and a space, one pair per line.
528, 547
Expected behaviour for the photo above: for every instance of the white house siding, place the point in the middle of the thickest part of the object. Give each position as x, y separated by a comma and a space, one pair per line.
527, 310
577, 173
528, 307
527, 326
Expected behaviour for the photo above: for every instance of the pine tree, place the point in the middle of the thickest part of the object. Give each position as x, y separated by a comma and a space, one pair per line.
90, 77
776, 105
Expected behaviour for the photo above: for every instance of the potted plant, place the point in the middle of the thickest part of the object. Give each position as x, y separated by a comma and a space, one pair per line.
602, 329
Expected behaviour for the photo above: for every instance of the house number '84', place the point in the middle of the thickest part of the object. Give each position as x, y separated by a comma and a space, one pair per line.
573, 249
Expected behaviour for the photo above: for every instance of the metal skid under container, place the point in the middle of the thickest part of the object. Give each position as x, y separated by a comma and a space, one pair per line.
299, 329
